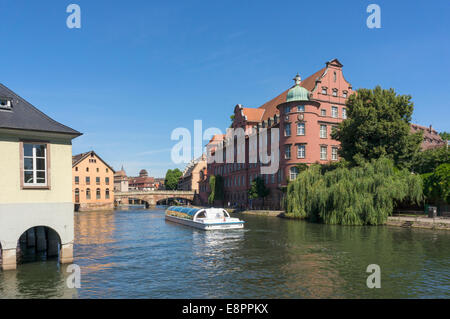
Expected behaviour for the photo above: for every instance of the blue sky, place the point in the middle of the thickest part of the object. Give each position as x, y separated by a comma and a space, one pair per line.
138, 69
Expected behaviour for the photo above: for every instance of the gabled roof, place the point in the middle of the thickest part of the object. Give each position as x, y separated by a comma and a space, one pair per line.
24, 116
253, 115
76, 159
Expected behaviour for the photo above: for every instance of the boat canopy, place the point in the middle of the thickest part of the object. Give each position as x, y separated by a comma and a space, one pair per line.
186, 210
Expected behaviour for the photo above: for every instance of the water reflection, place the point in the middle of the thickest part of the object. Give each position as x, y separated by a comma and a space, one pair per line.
137, 254
36, 280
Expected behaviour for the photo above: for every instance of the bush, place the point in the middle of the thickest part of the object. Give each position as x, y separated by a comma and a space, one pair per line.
362, 195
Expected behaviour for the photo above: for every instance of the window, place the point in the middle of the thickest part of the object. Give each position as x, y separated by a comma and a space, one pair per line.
107, 193
272, 178
98, 194
323, 112
301, 151
323, 153
344, 113
107, 180
34, 164
76, 169
287, 129
324, 90
301, 108
287, 109
334, 76
97, 180
88, 193
323, 131
77, 180
87, 169
334, 111
344, 94
107, 170
293, 173
334, 153
88, 180
287, 151
300, 128
98, 170
335, 92
5, 104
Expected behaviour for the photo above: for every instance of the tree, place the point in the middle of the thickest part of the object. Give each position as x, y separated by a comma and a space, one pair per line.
172, 177
378, 125
437, 184
427, 161
445, 136
361, 195
258, 189
232, 120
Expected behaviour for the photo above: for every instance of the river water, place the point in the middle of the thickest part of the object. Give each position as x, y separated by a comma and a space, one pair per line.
137, 254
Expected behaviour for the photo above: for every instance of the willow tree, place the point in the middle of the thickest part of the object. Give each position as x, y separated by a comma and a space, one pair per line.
362, 195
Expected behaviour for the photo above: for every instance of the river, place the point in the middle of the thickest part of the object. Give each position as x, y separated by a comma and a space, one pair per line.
137, 254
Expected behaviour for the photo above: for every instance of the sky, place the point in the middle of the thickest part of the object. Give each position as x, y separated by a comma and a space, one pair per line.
136, 70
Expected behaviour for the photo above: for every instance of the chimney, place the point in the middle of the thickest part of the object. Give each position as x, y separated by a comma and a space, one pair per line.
431, 128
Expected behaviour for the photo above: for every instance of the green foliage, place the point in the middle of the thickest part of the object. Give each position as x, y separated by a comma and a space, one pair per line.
258, 189
232, 120
216, 185
427, 161
362, 195
378, 126
172, 177
436, 185
445, 136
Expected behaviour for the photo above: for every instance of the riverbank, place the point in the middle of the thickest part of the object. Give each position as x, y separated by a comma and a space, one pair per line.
419, 222
398, 221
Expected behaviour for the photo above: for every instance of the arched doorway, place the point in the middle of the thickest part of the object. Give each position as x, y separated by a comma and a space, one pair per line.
39, 243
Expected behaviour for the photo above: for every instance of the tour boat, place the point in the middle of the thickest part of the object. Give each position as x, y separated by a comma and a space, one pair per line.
203, 218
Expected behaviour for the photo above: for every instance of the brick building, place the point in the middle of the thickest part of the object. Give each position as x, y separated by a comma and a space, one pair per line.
305, 114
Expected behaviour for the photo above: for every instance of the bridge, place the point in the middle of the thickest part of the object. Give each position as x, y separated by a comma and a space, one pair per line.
151, 198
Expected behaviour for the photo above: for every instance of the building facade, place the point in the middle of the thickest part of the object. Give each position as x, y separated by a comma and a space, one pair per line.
304, 114
190, 179
121, 181
92, 183
142, 182
36, 208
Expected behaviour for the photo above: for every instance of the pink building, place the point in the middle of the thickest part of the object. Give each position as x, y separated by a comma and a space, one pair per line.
305, 115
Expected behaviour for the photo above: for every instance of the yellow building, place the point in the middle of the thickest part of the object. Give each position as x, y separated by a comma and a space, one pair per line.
36, 207
92, 183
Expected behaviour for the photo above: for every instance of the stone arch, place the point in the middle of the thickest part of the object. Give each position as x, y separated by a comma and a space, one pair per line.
38, 242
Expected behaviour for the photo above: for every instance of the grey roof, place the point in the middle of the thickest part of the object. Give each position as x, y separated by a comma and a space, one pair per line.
24, 116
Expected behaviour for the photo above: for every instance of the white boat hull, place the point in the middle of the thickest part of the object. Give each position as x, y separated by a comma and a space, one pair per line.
206, 226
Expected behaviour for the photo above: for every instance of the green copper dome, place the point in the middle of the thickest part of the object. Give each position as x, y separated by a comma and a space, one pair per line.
297, 93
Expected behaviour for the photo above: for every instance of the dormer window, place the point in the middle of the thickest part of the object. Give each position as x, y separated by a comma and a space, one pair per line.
5, 104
